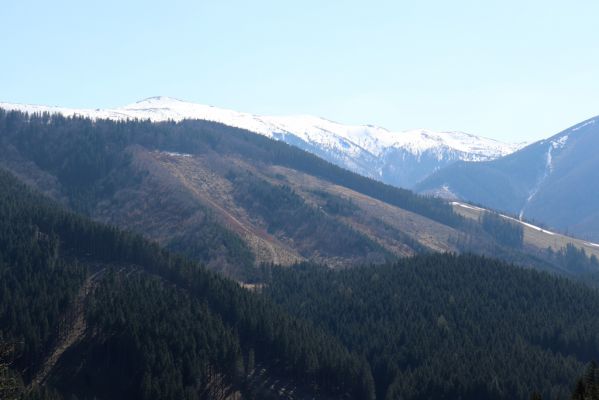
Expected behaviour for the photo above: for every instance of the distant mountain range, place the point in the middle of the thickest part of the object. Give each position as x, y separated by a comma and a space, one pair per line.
235, 200
555, 181
398, 158
105, 303
92, 311
552, 181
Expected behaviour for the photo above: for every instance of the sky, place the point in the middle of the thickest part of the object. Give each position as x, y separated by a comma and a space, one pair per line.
513, 70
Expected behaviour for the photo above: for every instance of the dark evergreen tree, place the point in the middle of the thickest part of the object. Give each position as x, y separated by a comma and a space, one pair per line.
446, 326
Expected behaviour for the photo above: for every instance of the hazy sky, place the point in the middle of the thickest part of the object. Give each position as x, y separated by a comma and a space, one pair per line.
512, 69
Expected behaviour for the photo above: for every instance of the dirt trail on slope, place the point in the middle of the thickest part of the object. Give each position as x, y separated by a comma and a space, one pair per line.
75, 328
214, 191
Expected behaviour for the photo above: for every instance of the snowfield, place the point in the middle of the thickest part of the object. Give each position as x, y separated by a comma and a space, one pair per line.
365, 149
311, 129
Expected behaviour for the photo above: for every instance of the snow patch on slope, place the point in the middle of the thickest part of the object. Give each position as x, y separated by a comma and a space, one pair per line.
560, 142
555, 144
365, 149
349, 138
536, 228
548, 170
590, 122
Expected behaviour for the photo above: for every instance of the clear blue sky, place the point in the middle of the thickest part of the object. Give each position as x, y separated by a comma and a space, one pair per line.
512, 69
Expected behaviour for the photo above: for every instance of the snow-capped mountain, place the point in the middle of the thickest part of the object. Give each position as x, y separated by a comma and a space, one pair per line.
399, 158
554, 180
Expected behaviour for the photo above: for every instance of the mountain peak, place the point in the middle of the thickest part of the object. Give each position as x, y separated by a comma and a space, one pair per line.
369, 150
156, 101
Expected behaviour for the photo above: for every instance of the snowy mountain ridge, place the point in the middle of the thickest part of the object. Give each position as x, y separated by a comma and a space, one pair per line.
553, 180
369, 150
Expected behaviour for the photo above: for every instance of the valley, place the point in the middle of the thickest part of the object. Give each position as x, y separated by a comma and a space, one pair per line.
243, 244
267, 200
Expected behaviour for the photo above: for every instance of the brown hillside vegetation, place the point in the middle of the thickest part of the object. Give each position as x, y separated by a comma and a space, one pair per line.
235, 200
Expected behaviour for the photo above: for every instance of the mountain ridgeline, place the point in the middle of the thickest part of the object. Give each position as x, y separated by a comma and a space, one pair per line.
133, 174
234, 200
90, 311
553, 181
397, 158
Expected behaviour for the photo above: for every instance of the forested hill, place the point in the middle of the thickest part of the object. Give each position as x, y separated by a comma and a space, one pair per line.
195, 186
451, 327
234, 200
90, 311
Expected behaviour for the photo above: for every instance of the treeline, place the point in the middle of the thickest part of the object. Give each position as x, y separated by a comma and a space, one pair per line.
286, 213
574, 259
504, 230
444, 326
168, 318
84, 155
89, 162
92, 164
336, 205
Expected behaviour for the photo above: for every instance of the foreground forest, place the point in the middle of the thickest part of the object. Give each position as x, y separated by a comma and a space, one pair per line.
95, 312
90, 311
446, 326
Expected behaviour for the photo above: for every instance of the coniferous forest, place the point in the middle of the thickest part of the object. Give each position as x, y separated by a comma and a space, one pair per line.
108, 170
92, 168
85, 155
91, 311
309, 200
139, 321
156, 326
445, 326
